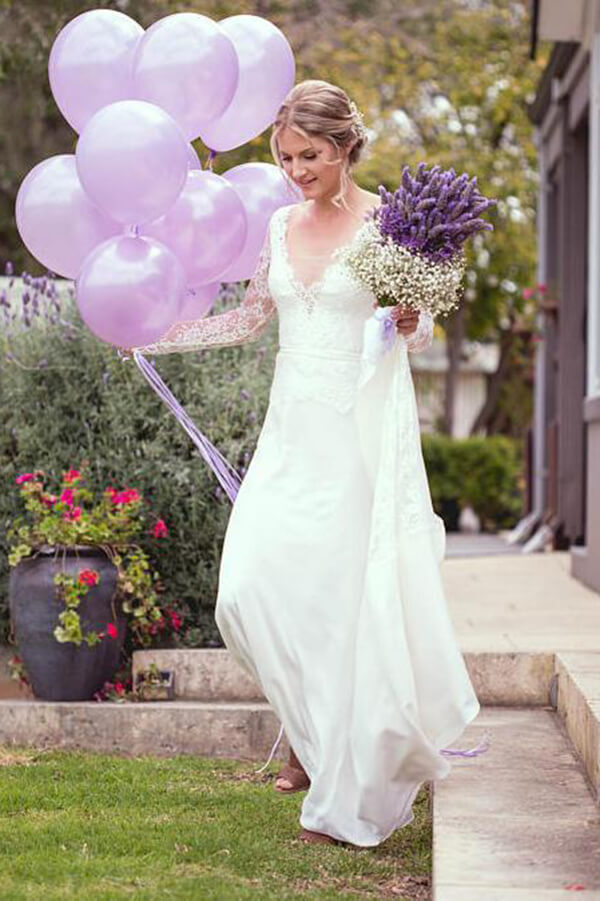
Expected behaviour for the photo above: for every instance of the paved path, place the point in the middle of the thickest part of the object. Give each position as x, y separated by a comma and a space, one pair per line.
521, 822
521, 602
517, 823
463, 544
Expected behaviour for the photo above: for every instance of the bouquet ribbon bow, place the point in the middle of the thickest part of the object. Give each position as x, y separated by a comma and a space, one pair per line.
379, 334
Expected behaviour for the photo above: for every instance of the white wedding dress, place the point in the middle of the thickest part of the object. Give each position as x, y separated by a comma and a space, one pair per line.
329, 591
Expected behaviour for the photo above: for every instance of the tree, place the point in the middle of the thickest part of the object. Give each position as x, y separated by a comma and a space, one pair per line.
447, 81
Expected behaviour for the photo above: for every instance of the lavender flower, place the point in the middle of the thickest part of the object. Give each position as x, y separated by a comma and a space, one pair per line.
432, 213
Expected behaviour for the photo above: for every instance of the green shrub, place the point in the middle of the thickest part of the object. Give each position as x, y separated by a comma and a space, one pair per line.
480, 472
66, 397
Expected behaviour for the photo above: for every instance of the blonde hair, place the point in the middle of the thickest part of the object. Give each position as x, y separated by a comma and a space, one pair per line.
316, 108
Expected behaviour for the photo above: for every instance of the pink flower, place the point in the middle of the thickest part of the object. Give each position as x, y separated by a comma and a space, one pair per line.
66, 496
88, 577
528, 293
542, 288
160, 529
71, 476
125, 497
24, 477
175, 620
119, 688
73, 514
112, 630
48, 499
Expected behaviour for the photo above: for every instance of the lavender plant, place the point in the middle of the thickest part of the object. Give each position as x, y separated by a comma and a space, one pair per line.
432, 213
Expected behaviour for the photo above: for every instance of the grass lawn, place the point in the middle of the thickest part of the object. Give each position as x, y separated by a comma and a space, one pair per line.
96, 827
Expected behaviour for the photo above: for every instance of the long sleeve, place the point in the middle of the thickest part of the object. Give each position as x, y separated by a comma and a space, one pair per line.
244, 323
423, 334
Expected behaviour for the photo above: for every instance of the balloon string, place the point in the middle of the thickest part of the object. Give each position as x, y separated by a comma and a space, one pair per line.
228, 478
212, 154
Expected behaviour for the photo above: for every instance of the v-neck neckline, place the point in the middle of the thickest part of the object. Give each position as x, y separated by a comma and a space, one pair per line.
313, 287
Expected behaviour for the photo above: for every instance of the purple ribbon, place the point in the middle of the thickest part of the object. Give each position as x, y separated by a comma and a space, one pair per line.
479, 748
229, 479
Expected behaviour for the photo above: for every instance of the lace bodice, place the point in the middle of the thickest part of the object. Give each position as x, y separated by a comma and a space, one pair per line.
327, 315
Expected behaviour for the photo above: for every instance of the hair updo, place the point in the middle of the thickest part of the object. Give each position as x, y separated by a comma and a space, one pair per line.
316, 108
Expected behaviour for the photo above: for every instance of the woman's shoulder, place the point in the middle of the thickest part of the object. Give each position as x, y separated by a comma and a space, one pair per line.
282, 212
371, 200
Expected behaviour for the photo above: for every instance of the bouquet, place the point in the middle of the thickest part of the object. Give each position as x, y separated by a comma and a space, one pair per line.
411, 252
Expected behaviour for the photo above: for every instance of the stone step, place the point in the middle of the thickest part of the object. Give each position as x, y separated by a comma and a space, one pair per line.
211, 674
160, 728
517, 823
578, 702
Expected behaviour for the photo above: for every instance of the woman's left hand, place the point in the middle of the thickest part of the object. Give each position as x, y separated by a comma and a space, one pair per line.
406, 319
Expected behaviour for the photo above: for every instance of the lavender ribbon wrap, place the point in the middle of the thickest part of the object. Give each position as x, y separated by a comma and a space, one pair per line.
379, 334
377, 342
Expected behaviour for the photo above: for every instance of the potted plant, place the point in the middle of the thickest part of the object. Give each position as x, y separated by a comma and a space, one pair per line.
78, 579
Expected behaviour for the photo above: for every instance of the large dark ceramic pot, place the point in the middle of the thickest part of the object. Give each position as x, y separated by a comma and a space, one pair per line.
65, 671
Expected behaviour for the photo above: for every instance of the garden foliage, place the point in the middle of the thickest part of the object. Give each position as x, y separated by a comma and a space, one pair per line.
67, 398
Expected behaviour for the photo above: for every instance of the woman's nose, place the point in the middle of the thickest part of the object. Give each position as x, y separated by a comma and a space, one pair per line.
297, 169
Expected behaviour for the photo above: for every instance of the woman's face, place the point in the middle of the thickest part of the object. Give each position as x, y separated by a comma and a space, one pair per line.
308, 163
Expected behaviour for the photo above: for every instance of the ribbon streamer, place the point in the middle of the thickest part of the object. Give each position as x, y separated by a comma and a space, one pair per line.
229, 479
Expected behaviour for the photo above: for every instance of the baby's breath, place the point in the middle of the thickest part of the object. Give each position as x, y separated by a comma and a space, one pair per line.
397, 275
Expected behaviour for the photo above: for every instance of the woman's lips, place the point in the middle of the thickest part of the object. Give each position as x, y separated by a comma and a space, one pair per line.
304, 184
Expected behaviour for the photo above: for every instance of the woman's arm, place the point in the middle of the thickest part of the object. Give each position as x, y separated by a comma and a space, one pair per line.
245, 323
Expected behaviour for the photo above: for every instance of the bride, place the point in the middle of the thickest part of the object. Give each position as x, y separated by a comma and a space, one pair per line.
329, 591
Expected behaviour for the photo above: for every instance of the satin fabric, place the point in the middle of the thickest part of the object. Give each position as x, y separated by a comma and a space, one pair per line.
330, 593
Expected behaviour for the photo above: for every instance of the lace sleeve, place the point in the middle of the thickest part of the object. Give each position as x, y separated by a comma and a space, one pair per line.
244, 323
423, 334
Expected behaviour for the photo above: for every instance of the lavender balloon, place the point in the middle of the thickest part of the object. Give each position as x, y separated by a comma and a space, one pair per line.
132, 160
56, 219
206, 227
262, 188
267, 72
90, 63
198, 301
193, 158
188, 66
130, 290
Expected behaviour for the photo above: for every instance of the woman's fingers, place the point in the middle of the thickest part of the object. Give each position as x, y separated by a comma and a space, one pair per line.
406, 322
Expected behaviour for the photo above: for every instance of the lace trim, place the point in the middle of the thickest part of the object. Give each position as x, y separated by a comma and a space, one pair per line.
307, 293
423, 334
245, 323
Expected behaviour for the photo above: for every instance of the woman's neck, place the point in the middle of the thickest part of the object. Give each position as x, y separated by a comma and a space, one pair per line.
324, 208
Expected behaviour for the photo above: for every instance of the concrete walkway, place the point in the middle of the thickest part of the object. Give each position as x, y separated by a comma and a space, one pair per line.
482, 544
523, 602
521, 822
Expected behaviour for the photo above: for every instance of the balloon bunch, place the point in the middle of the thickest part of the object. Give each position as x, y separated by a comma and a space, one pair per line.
148, 234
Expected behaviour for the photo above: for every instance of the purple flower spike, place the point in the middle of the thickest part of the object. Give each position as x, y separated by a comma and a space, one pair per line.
432, 213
